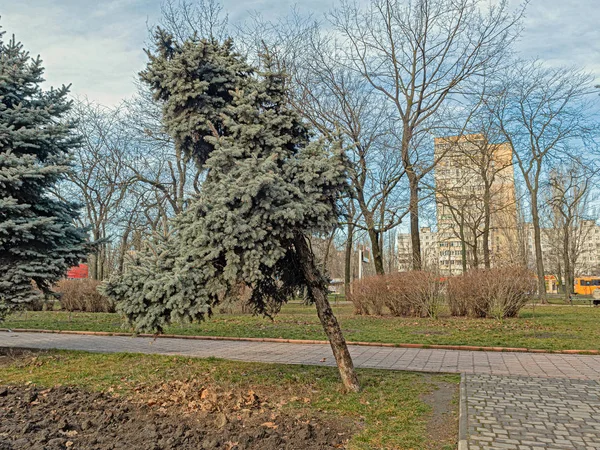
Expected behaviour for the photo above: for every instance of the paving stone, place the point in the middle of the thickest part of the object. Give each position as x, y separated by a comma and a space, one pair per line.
585, 367
532, 413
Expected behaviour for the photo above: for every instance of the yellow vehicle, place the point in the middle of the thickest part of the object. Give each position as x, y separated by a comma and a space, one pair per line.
586, 285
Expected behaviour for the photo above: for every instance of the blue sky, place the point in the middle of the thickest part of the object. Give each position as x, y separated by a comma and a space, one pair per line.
97, 45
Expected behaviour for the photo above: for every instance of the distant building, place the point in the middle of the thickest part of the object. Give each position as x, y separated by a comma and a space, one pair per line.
460, 186
429, 250
587, 249
465, 164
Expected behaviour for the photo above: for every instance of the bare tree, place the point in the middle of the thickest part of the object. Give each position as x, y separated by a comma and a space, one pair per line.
349, 245
541, 112
100, 178
185, 19
568, 201
420, 55
165, 179
338, 101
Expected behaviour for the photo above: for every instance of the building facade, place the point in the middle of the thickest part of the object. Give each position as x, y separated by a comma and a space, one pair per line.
585, 253
474, 180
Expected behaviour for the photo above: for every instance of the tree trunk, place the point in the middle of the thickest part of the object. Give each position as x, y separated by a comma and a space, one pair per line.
348, 261
463, 248
327, 248
475, 263
376, 250
539, 261
486, 227
414, 221
569, 272
560, 278
374, 236
318, 289
123, 250
93, 258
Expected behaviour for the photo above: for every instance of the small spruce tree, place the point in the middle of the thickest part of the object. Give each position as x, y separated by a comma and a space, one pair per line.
267, 188
38, 241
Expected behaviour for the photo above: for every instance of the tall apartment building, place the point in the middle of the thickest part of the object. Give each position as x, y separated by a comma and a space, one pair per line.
586, 249
429, 250
473, 179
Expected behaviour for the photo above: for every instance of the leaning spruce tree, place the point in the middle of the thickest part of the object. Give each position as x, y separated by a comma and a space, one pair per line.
267, 188
38, 241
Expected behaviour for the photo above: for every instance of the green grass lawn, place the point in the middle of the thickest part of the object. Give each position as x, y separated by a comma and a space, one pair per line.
394, 410
542, 327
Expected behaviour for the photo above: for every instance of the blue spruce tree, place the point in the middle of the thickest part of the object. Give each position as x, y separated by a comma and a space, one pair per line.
38, 241
268, 187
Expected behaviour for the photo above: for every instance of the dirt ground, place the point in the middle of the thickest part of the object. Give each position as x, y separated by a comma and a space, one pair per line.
63, 417
174, 415
184, 414
443, 421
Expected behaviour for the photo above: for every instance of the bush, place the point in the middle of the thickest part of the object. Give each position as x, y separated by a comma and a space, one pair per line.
406, 294
497, 293
368, 295
458, 294
416, 294
82, 295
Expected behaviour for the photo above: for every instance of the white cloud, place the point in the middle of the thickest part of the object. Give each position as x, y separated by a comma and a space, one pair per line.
563, 33
94, 45
97, 45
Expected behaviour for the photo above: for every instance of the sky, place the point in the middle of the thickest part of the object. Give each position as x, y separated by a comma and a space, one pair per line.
97, 46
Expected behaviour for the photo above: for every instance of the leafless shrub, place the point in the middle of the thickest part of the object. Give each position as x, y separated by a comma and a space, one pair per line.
368, 295
458, 293
82, 295
497, 293
406, 294
415, 293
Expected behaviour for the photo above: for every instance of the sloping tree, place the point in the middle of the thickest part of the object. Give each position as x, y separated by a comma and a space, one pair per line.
38, 241
267, 189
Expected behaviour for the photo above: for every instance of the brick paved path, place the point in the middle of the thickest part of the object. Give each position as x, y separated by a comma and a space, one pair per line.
514, 400
422, 360
532, 413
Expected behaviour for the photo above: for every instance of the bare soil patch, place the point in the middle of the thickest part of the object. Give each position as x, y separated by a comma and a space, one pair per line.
443, 423
64, 417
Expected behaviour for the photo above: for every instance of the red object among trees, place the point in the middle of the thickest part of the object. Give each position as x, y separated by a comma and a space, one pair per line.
80, 271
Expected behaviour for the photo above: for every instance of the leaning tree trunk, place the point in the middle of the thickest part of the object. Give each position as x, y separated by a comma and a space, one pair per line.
318, 288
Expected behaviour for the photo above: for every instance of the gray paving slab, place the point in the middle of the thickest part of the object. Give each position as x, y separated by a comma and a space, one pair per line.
532, 413
585, 367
